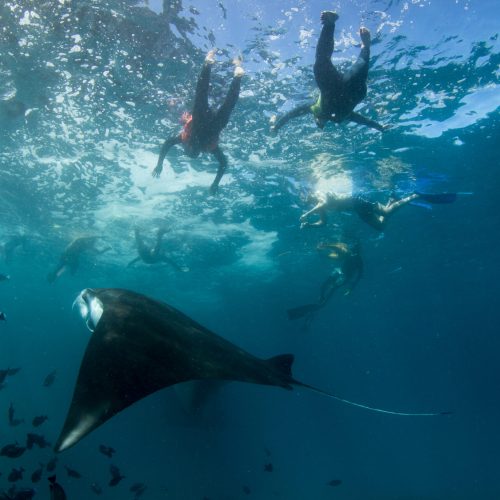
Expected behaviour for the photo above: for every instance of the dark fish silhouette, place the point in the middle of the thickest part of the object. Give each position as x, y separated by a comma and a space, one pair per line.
116, 475
15, 475
4, 277
72, 472
3, 316
51, 464
8, 372
38, 439
247, 490
56, 490
106, 450
12, 450
334, 482
49, 379
140, 345
13, 422
137, 486
268, 467
96, 488
14, 494
138, 489
37, 474
39, 420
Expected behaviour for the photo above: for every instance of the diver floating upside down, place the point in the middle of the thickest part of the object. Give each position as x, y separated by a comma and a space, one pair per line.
203, 126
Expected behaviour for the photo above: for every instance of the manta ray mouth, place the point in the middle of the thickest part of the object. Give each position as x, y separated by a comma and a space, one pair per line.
89, 307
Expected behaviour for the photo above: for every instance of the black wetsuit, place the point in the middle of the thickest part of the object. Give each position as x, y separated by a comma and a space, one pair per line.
70, 258
206, 125
370, 212
340, 92
152, 255
346, 275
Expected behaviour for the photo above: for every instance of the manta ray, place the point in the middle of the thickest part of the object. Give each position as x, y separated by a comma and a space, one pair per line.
140, 345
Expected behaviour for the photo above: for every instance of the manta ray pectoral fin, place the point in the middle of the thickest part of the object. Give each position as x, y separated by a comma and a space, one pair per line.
283, 363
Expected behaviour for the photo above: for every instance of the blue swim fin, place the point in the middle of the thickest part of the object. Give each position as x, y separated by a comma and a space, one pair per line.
438, 197
301, 311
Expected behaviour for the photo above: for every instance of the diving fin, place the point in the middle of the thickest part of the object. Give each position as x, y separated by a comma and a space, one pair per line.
301, 311
437, 197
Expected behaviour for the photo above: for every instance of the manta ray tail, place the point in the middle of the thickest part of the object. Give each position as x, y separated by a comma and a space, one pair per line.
283, 364
371, 408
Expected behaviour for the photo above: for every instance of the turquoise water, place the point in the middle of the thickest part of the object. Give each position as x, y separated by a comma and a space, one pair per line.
89, 90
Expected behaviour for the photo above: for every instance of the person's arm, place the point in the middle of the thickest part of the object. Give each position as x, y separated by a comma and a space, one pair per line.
221, 158
318, 209
172, 141
301, 110
362, 120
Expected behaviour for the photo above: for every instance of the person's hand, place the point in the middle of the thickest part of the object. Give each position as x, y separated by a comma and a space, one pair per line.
157, 171
210, 57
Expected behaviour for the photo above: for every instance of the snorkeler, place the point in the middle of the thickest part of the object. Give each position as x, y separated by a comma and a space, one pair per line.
69, 259
372, 212
153, 255
203, 126
340, 92
347, 274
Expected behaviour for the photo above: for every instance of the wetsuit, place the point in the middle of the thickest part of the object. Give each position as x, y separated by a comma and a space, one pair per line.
70, 258
347, 274
201, 132
152, 255
372, 212
340, 92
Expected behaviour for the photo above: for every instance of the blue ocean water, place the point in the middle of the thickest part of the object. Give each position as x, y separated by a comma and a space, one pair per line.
90, 89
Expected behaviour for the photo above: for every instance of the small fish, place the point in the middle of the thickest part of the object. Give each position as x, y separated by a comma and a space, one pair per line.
15, 475
8, 372
51, 465
138, 489
37, 474
396, 270
15, 494
267, 452
268, 467
56, 490
12, 450
38, 439
3, 316
72, 472
49, 379
334, 482
96, 488
13, 422
116, 476
39, 420
247, 490
107, 450
137, 486
4, 277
